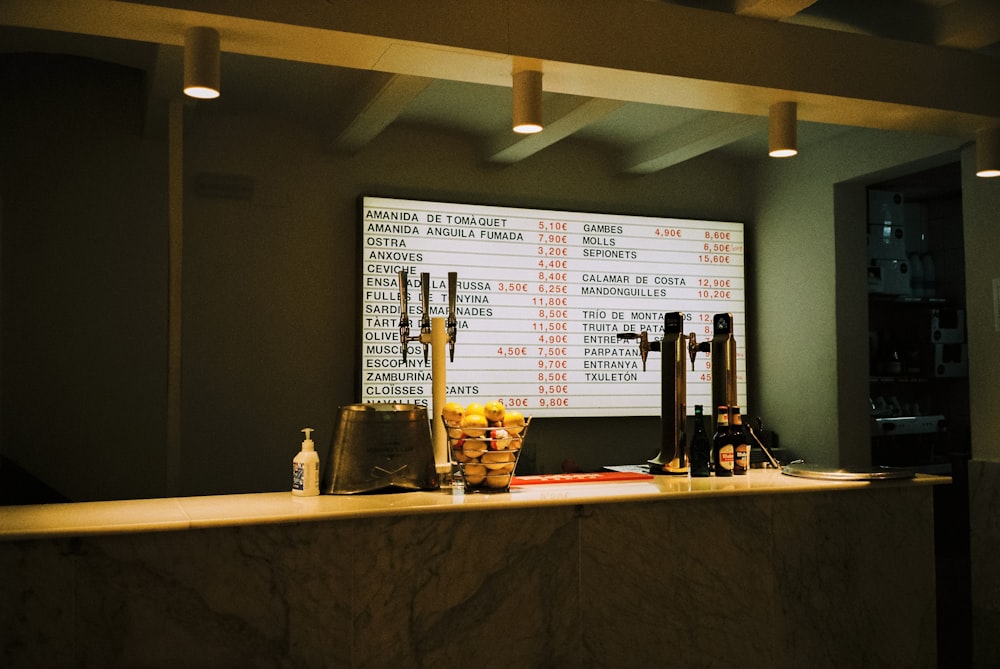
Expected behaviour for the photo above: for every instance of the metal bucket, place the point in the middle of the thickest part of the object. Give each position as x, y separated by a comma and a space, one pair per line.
380, 447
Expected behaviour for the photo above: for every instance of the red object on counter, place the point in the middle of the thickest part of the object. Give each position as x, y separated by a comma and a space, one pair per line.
588, 477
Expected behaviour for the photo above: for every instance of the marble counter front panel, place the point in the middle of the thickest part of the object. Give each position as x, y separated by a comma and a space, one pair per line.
826, 578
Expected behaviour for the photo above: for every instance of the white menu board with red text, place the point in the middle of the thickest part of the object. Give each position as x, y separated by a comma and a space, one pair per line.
542, 296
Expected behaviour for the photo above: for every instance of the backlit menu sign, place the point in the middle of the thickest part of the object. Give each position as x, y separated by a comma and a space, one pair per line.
542, 296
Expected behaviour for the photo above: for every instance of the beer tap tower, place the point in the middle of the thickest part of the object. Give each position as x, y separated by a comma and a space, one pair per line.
722, 352
435, 333
673, 456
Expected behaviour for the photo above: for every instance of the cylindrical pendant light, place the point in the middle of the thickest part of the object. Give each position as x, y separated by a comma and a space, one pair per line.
988, 152
201, 63
527, 101
782, 141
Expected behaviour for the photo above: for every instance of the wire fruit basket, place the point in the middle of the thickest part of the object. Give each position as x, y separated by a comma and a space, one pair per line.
486, 455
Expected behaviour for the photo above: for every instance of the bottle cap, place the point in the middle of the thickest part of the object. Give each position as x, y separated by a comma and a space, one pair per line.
307, 443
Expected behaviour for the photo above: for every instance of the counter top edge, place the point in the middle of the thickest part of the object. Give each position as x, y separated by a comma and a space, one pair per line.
187, 513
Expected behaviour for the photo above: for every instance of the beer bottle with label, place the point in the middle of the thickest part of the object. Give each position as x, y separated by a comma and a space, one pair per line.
741, 445
722, 444
701, 445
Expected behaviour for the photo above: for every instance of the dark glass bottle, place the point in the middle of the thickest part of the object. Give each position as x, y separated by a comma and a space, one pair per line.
722, 444
741, 445
701, 445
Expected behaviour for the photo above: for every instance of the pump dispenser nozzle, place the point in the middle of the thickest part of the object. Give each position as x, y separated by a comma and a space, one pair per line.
308, 444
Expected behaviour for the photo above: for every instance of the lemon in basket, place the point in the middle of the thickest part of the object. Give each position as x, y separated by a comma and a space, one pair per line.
474, 424
494, 412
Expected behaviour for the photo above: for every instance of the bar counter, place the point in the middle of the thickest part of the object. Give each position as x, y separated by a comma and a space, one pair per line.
765, 570
185, 513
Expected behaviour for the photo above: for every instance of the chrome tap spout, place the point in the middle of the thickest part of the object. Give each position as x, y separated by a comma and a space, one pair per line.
451, 324
694, 348
644, 345
425, 317
404, 318
427, 327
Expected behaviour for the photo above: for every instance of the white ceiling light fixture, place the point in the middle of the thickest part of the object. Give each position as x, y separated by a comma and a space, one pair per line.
782, 139
527, 100
201, 63
988, 152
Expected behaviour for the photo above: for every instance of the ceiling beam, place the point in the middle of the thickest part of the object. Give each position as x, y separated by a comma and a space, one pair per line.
968, 24
631, 50
704, 134
510, 148
770, 9
376, 107
674, 55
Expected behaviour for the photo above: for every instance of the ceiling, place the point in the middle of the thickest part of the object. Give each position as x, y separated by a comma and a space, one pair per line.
350, 107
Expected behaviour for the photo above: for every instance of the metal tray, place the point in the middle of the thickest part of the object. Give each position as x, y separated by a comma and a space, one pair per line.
808, 471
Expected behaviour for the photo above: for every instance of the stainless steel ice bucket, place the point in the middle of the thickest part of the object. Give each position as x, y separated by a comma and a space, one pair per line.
380, 447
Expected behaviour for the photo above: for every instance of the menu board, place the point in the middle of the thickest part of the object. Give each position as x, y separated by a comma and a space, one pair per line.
542, 296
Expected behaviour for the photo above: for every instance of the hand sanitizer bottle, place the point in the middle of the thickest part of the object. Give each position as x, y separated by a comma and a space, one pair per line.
305, 468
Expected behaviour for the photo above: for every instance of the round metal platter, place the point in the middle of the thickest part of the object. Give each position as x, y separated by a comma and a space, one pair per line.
808, 471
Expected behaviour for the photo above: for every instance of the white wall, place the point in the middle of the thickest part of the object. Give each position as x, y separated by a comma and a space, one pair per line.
84, 289
981, 211
810, 292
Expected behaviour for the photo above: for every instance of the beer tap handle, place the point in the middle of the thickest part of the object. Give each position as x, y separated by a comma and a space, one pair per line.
404, 319
694, 348
425, 317
644, 346
452, 322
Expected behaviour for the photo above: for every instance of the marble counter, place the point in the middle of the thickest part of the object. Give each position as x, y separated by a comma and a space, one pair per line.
185, 513
770, 571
